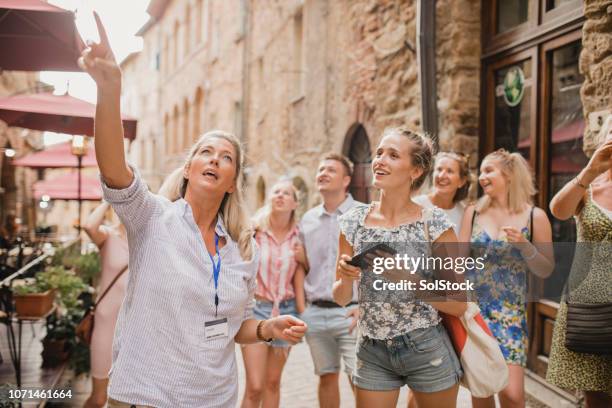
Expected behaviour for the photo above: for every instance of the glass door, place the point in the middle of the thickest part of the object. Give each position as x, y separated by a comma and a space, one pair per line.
533, 106
561, 159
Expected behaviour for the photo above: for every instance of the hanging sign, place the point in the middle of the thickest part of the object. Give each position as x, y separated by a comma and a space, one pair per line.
514, 86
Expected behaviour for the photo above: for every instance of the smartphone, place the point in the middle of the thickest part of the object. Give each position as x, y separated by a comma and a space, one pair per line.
357, 260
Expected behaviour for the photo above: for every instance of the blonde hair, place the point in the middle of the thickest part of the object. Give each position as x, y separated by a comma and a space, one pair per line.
421, 153
464, 172
231, 210
261, 219
521, 188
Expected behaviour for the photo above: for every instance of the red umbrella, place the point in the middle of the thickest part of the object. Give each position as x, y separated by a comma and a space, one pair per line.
65, 187
56, 156
55, 113
36, 36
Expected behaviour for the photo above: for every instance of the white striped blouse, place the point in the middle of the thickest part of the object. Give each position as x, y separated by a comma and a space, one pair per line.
160, 355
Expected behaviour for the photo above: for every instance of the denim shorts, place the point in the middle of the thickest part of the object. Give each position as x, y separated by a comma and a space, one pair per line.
423, 359
263, 310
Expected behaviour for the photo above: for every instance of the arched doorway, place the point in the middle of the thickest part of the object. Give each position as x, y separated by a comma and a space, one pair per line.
357, 149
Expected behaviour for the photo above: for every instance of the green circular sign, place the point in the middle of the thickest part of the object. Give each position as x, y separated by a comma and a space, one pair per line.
514, 86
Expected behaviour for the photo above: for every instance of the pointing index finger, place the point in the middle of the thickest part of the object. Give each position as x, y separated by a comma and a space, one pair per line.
101, 31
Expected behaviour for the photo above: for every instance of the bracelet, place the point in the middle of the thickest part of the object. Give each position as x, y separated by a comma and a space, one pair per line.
258, 333
578, 183
530, 257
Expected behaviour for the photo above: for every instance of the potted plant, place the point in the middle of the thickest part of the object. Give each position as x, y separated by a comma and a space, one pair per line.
61, 340
57, 343
33, 299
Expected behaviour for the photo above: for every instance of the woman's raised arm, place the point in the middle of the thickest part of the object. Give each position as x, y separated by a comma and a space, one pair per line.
99, 62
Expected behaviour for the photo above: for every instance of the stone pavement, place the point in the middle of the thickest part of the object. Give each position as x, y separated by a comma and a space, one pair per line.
299, 383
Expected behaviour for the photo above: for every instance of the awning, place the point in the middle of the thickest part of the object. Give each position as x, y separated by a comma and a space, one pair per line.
56, 156
65, 187
55, 113
36, 36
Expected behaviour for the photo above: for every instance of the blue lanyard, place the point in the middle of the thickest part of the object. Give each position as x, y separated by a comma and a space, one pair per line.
216, 270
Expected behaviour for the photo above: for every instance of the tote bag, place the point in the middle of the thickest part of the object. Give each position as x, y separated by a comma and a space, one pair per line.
485, 372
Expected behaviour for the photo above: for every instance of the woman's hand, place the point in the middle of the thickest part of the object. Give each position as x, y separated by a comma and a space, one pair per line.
285, 327
514, 235
600, 161
300, 254
99, 61
348, 273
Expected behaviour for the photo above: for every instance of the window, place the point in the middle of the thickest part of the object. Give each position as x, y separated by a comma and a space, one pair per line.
185, 139
197, 114
175, 131
175, 45
238, 119
198, 22
298, 51
167, 134
511, 23
205, 20
187, 32
511, 13
165, 56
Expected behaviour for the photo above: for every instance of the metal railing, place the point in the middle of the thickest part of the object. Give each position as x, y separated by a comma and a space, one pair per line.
8, 280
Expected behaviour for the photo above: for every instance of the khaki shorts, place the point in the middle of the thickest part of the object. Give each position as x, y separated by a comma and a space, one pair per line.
118, 404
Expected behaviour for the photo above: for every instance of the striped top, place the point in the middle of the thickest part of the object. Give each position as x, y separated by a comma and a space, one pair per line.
277, 266
160, 355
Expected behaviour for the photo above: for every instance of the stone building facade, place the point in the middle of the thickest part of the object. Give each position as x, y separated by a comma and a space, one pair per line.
295, 79
187, 79
596, 65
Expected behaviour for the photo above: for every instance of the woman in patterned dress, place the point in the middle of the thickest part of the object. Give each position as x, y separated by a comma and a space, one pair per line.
501, 227
401, 340
280, 290
588, 197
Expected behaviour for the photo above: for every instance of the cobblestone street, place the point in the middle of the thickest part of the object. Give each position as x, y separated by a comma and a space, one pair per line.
299, 384
298, 387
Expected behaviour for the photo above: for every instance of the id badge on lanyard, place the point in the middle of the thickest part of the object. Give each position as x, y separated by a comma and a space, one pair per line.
217, 328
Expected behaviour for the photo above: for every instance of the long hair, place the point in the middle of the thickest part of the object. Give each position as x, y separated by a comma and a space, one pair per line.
521, 188
261, 219
231, 210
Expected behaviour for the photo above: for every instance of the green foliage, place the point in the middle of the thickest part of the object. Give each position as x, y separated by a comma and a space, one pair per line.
70, 273
63, 327
79, 359
27, 289
88, 266
68, 285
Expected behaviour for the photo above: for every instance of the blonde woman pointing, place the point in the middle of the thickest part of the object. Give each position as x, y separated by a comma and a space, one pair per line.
193, 266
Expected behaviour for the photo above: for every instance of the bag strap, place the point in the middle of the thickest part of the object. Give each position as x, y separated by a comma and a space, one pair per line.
109, 287
474, 214
531, 224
